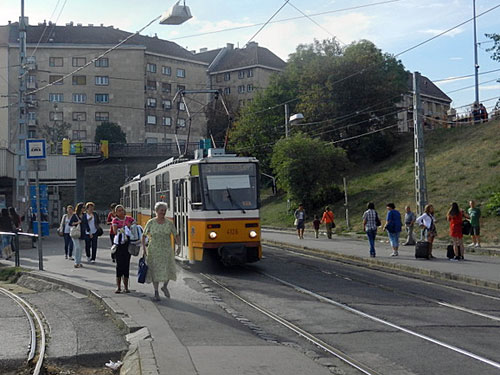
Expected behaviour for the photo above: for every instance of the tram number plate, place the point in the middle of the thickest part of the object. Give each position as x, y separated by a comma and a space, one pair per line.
232, 231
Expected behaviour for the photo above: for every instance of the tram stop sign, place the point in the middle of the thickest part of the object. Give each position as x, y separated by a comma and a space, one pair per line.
35, 149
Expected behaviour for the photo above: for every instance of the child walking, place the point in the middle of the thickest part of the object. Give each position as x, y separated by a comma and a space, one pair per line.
316, 223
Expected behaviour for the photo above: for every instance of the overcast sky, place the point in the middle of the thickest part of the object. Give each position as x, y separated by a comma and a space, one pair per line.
393, 27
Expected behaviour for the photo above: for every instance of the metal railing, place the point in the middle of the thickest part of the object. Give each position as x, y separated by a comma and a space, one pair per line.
15, 243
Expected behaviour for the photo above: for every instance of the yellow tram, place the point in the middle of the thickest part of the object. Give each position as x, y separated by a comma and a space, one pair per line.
213, 201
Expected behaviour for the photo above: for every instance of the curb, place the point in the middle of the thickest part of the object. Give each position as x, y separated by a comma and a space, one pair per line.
140, 358
389, 266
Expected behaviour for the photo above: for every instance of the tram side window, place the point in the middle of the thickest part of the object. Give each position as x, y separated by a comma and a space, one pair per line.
166, 188
196, 202
158, 188
147, 198
126, 199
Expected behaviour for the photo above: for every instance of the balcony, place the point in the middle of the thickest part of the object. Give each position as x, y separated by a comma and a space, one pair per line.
32, 122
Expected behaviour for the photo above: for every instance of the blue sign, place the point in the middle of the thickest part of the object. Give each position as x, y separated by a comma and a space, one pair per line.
35, 149
44, 193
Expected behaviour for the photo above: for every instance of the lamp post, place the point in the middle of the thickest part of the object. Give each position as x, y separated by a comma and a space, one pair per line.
290, 120
476, 64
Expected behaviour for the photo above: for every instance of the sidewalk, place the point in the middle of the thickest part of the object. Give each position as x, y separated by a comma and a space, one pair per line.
480, 270
188, 334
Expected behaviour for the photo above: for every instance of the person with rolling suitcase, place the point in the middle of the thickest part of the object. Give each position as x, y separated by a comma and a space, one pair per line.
426, 221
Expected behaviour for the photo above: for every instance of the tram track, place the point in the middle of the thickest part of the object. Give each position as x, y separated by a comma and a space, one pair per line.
37, 343
343, 355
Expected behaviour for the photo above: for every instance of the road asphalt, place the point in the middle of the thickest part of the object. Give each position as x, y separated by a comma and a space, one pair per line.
155, 347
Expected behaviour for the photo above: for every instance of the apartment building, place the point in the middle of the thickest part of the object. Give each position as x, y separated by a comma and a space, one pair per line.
240, 72
435, 105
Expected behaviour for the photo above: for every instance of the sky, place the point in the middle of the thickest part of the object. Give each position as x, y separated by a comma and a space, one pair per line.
393, 25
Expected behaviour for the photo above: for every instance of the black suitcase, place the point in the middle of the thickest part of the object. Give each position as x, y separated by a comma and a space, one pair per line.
449, 252
422, 249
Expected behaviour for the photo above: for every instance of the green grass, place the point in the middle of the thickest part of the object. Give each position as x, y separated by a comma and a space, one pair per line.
461, 164
9, 274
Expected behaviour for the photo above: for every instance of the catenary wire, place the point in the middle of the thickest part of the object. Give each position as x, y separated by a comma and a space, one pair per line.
269, 20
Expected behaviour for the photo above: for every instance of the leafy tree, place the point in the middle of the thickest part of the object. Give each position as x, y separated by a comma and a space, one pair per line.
496, 47
111, 132
218, 120
56, 132
309, 169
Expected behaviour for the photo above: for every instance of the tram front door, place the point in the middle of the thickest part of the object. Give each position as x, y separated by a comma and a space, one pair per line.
181, 214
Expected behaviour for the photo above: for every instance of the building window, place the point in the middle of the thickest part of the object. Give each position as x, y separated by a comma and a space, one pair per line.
102, 98
150, 85
101, 80
79, 98
151, 140
56, 80
227, 76
241, 89
56, 61
103, 62
32, 133
166, 104
79, 116
55, 116
250, 73
249, 88
102, 116
79, 134
227, 90
79, 80
151, 103
79, 61
181, 106
56, 98
181, 73
32, 116
151, 120
166, 87
166, 121
241, 74
181, 123
166, 70
151, 68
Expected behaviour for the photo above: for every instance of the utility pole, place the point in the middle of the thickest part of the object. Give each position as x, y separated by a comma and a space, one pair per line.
287, 119
476, 64
418, 134
22, 133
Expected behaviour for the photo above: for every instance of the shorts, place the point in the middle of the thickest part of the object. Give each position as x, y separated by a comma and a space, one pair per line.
457, 241
474, 231
394, 238
300, 224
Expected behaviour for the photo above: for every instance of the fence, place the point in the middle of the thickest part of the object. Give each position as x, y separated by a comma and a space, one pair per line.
14, 243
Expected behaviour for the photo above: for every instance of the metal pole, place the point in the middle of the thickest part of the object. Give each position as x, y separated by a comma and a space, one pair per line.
38, 218
346, 205
476, 64
287, 119
22, 174
418, 134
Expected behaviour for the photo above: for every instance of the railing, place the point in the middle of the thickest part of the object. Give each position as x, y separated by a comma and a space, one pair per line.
15, 243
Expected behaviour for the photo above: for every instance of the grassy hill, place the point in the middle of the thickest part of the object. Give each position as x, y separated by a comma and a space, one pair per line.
461, 164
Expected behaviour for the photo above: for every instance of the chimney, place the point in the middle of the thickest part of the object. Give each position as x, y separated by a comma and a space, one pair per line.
79, 25
203, 50
102, 25
230, 46
91, 25
193, 51
252, 44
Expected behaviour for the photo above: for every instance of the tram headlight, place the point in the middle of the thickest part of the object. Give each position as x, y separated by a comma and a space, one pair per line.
212, 235
252, 234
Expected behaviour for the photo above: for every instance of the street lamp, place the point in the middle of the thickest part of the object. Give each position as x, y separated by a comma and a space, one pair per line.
293, 119
176, 15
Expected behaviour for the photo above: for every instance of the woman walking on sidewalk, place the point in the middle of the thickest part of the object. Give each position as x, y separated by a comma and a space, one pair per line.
393, 227
109, 221
64, 229
160, 256
370, 224
455, 218
78, 219
121, 225
92, 234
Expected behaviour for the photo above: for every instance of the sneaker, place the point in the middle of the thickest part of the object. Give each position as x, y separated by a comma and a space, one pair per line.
478, 245
65, 257
455, 258
394, 254
92, 261
165, 291
88, 259
372, 255
471, 245
71, 258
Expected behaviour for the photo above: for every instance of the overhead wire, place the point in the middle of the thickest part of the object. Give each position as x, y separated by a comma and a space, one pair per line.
269, 20
48, 25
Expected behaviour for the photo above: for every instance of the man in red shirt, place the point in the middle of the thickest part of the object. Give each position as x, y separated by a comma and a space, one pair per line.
328, 219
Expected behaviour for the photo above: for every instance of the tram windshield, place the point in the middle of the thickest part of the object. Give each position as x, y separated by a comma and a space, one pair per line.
229, 186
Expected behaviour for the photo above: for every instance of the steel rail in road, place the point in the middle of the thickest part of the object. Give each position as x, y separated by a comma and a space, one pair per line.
301, 332
25, 306
385, 322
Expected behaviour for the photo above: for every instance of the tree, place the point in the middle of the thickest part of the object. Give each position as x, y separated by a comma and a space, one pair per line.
54, 133
110, 132
309, 169
217, 119
496, 47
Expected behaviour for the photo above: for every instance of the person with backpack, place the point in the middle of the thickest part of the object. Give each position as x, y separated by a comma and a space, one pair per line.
393, 227
455, 218
328, 219
427, 224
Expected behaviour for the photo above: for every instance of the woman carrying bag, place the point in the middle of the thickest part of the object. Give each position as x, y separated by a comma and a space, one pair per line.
120, 225
64, 229
79, 226
93, 232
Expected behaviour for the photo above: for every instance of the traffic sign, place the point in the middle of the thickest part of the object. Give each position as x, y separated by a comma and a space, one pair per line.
35, 149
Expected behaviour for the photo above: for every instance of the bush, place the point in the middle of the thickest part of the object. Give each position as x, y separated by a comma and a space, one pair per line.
493, 205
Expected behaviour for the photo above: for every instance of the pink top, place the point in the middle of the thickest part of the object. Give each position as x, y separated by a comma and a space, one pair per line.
121, 223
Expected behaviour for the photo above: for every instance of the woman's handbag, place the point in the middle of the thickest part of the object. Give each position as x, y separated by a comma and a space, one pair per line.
75, 231
134, 249
99, 231
296, 222
142, 271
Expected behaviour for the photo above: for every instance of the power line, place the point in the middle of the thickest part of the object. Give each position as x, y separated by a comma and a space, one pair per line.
47, 25
269, 20
464, 76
